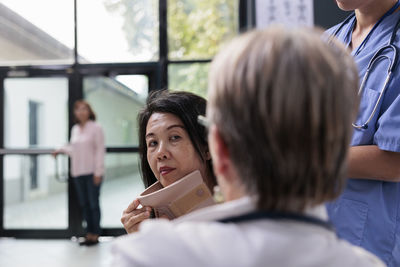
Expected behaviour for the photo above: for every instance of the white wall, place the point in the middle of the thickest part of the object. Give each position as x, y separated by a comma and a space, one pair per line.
52, 96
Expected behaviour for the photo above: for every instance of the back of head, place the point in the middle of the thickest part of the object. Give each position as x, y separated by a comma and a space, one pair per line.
283, 101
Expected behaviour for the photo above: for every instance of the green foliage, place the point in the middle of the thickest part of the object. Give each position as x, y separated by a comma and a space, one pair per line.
189, 77
140, 23
196, 30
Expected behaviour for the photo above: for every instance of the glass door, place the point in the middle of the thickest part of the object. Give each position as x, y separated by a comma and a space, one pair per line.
35, 121
37, 115
116, 101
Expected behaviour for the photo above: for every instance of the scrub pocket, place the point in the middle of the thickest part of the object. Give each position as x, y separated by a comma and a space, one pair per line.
369, 98
349, 217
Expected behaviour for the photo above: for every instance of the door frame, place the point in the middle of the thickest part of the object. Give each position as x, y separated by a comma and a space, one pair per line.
75, 75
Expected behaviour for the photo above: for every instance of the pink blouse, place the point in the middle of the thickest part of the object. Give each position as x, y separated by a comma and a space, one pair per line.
86, 149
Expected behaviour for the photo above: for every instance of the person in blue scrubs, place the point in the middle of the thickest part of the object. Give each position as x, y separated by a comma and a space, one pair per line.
368, 211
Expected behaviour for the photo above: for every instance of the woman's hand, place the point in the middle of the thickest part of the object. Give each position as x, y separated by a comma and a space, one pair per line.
96, 180
132, 216
55, 153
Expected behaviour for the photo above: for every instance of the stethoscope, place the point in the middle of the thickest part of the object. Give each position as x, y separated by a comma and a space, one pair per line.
377, 57
278, 216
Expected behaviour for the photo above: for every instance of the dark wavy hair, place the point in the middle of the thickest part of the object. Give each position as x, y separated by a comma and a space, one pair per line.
186, 106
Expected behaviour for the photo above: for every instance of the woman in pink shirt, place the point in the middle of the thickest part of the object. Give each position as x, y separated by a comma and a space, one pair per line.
86, 150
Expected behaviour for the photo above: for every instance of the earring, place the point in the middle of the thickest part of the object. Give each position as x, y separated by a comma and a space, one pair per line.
218, 197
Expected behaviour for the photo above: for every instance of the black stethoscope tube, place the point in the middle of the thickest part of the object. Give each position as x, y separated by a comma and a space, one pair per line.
277, 215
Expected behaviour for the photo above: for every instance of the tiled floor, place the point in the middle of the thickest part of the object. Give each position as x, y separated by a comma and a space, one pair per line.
116, 195
53, 253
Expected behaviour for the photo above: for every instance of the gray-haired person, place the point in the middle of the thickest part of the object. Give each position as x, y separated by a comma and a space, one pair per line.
281, 104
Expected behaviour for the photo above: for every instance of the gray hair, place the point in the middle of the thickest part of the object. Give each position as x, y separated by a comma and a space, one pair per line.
283, 101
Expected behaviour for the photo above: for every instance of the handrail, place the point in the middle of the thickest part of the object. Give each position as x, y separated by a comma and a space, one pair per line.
26, 151
35, 152
44, 151
49, 151
57, 175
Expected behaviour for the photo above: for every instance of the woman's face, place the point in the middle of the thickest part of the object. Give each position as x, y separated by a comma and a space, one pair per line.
82, 113
170, 152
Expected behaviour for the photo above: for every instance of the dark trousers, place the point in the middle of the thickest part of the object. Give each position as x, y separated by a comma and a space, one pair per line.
88, 196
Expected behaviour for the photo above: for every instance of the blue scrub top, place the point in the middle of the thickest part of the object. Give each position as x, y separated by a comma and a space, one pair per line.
367, 214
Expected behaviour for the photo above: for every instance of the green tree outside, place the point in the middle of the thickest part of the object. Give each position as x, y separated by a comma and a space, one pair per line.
196, 30
189, 77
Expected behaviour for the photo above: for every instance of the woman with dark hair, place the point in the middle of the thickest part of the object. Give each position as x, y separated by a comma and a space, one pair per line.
171, 145
86, 150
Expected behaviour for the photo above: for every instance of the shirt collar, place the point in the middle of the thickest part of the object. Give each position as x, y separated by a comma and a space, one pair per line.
220, 211
239, 207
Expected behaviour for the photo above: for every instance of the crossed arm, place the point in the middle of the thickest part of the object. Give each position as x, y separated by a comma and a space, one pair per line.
370, 162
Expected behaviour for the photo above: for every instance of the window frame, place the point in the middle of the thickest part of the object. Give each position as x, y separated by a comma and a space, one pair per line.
157, 73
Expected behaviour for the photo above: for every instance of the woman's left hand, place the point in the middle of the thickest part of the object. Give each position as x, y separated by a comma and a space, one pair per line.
97, 180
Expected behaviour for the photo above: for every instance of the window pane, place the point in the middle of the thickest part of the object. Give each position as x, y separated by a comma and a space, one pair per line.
189, 77
36, 32
36, 112
122, 184
196, 29
34, 198
117, 30
116, 102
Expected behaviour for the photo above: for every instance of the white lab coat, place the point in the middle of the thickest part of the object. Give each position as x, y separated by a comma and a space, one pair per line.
196, 239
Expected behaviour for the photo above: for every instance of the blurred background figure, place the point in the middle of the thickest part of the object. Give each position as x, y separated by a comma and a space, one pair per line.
86, 149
